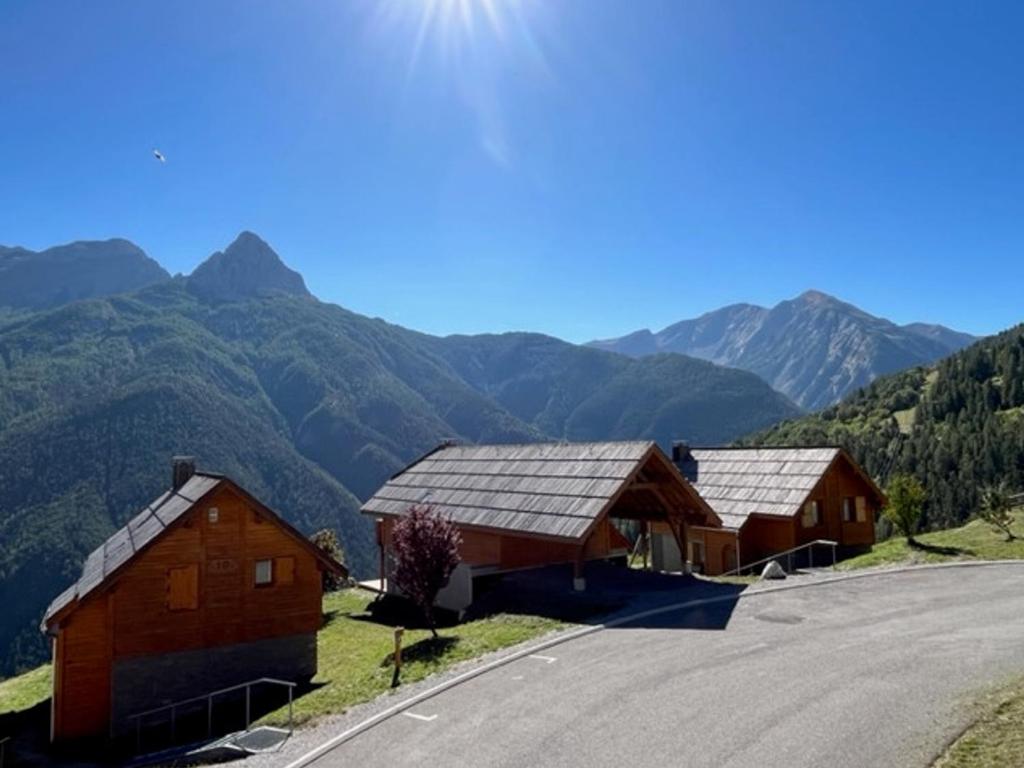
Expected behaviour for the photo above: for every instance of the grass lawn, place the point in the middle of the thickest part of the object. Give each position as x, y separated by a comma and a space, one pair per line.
25, 691
974, 541
996, 740
355, 652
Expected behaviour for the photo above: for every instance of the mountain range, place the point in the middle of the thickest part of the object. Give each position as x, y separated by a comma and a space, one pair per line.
815, 348
306, 404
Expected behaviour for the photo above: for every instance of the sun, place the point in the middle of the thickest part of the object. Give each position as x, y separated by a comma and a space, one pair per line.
454, 28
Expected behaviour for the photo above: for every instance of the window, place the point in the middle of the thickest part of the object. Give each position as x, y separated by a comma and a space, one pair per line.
183, 588
849, 510
812, 514
264, 574
284, 568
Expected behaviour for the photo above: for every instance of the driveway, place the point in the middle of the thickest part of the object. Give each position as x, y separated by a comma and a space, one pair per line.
870, 672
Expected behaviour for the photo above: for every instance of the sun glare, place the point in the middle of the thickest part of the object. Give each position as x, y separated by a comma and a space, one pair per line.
453, 28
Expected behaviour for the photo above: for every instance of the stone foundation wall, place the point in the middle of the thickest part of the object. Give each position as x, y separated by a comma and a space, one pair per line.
141, 683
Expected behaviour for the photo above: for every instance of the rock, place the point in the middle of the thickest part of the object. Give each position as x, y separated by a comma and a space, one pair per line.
773, 570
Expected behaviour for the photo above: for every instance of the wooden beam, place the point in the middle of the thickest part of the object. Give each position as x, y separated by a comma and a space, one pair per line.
644, 486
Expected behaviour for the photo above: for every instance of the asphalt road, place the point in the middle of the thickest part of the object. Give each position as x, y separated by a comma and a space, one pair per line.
871, 672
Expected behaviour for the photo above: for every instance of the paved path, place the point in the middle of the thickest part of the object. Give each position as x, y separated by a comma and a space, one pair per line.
870, 672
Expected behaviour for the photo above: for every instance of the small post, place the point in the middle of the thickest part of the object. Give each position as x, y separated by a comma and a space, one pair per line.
174, 725
810, 556
833, 556
138, 735
399, 631
291, 691
3, 746
209, 717
248, 708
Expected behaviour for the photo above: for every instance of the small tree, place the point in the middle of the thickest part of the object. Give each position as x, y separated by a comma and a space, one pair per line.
326, 540
426, 548
906, 505
995, 509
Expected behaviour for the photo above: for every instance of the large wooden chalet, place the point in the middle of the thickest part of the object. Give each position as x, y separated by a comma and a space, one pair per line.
522, 506
203, 589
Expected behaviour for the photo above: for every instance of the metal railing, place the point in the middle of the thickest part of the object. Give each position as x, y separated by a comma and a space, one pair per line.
788, 554
208, 698
3, 749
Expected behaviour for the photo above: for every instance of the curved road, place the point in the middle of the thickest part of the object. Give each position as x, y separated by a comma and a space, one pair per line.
877, 671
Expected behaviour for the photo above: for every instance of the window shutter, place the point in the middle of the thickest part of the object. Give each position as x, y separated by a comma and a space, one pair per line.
183, 588
284, 568
806, 518
862, 509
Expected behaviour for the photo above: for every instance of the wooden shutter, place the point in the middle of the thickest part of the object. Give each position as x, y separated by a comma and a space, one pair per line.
284, 570
183, 588
862, 509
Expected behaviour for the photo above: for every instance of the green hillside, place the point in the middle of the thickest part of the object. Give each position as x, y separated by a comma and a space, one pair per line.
958, 426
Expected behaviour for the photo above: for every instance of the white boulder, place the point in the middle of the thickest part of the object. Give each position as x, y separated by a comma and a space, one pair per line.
772, 570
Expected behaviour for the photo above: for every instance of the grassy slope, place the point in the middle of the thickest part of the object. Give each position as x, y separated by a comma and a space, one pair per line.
355, 662
25, 691
354, 656
974, 541
996, 740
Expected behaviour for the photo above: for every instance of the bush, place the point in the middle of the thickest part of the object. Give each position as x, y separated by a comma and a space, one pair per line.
906, 504
326, 540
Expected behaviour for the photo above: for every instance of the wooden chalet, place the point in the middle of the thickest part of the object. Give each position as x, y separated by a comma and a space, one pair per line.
523, 506
771, 500
205, 588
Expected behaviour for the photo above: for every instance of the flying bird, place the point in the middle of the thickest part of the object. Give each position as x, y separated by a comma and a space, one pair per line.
159, 156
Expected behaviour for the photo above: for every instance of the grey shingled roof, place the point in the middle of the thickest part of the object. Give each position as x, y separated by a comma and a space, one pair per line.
739, 482
127, 541
547, 489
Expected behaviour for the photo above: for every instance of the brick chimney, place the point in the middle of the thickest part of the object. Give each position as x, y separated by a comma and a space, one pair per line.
182, 468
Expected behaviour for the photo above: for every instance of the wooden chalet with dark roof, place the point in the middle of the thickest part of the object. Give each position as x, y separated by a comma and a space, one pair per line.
205, 588
771, 500
523, 506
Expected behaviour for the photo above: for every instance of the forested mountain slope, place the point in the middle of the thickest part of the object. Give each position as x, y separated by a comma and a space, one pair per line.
958, 426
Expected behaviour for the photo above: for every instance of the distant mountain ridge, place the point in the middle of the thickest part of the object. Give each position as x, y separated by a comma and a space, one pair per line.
814, 348
81, 270
307, 404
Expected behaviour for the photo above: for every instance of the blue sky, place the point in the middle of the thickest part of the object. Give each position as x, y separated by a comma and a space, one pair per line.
578, 168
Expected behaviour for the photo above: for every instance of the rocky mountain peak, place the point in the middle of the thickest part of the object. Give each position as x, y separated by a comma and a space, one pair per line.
246, 269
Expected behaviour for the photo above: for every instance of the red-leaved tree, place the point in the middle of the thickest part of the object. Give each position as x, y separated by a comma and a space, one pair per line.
426, 549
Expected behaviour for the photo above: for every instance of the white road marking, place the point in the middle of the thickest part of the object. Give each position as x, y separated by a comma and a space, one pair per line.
518, 677
545, 659
424, 718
